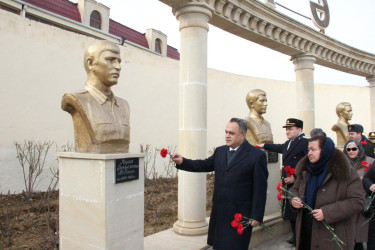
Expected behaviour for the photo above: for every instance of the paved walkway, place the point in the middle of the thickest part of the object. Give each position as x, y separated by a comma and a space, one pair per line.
169, 240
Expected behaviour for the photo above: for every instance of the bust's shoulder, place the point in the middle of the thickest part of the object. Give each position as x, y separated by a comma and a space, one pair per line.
70, 101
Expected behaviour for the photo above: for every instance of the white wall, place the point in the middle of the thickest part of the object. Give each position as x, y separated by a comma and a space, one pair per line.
40, 63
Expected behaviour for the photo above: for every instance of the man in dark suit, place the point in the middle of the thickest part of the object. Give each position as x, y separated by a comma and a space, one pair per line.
294, 149
240, 186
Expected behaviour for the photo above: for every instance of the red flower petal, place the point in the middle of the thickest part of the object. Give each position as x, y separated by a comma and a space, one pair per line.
238, 217
239, 231
234, 223
364, 142
292, 171
364, 163
279, 185
287, 168
164, 152
257, 146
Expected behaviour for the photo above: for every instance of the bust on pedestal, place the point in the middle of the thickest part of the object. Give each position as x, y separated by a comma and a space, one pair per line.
344, 112
101, 185
259, 130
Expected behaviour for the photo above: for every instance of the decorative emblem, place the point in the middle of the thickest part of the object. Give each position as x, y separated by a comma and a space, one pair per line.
320, 14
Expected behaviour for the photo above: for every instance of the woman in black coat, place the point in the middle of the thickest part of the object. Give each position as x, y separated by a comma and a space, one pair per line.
369, 185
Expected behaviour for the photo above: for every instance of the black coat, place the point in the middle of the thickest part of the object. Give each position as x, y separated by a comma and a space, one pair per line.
240, 187
291, 156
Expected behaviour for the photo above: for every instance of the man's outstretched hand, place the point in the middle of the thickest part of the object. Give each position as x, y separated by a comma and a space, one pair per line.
177, 158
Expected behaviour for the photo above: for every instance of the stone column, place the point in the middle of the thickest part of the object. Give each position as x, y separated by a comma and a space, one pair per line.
193, 18
371, 81
304, 68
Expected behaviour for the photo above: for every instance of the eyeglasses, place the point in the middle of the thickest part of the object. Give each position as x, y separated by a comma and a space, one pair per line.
350, 149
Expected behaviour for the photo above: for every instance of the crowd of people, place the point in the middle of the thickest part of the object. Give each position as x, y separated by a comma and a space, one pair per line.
324, 198
329, 193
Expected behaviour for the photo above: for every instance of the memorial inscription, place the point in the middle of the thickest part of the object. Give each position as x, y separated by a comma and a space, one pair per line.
126, 170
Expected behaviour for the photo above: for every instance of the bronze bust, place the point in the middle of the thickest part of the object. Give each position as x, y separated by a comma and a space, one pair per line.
344, 112
259, 130
100, 119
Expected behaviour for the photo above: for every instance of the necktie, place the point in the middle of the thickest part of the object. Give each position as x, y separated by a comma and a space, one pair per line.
231, 154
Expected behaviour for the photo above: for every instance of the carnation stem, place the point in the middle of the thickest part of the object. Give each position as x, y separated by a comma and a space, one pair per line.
335, 238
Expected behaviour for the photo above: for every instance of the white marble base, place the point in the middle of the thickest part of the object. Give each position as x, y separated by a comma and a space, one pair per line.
96, 213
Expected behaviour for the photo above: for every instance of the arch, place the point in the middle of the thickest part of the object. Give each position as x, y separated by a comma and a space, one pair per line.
158, 44
96, 20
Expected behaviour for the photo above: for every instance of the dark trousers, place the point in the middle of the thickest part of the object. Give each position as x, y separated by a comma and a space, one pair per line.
306, 230
371, 235
293, 226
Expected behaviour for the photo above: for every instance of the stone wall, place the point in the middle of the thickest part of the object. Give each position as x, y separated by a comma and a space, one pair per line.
41, 62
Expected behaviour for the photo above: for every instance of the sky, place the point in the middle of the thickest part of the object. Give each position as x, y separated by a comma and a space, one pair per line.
351, 22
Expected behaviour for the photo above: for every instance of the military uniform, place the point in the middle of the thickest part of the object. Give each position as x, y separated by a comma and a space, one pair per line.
370, 146
293, 151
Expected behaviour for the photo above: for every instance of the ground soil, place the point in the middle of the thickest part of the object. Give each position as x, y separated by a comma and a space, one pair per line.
31, 221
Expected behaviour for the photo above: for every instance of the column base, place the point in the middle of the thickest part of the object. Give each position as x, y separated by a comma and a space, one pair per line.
190, 228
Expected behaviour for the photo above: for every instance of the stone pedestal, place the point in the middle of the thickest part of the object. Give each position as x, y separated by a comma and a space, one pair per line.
272, 204
304, 68
193, 17
96, 213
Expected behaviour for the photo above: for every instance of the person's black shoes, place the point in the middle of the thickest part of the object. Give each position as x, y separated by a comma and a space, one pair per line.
292, 241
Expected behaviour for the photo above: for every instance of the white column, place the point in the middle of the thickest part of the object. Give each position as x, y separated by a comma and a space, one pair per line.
304, 68
371, 81
193, 18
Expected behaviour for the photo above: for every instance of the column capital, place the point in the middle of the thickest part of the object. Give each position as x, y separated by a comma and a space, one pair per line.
193, 14
371, 81
303, 61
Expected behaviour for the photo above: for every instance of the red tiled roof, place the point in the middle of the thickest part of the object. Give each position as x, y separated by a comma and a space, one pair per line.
61, 7
70, 10
129, 34
173, 53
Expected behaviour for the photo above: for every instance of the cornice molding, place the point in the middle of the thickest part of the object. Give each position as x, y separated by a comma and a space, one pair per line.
258, 23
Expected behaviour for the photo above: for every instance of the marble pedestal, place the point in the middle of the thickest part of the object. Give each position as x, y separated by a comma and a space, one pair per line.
96, 213
272, 204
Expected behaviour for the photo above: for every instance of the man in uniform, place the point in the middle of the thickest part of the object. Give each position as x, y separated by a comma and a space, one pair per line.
294, 149
370, 147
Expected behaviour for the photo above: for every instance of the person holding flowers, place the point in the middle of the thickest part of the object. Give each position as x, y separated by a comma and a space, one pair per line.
327, 195
240, 187
360, 162
369, 185
293, 150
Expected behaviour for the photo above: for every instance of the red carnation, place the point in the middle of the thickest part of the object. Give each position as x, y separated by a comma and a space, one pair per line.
287, 168
238, 217
364, 163
239, 229
234, 223
164, 152
364, 142
279, 196
291, 172
279, 185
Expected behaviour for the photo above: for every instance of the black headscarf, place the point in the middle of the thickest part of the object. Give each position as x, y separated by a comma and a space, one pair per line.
361, 153
318, 172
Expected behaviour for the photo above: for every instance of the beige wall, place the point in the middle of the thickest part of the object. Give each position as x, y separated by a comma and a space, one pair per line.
40, 63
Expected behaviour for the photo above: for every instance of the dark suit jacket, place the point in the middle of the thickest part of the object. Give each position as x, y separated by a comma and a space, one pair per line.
291, 156
240, 187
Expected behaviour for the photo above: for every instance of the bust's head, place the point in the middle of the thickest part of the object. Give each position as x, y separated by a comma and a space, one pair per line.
256, 100
344, 111
102, 63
